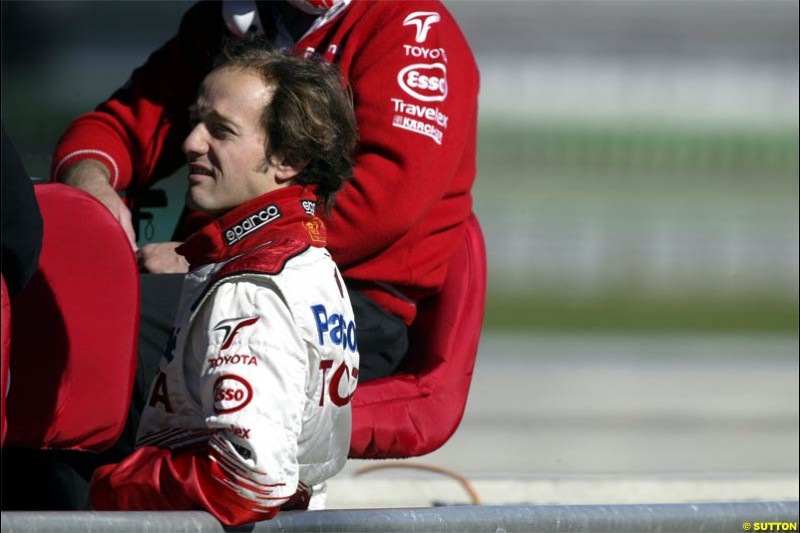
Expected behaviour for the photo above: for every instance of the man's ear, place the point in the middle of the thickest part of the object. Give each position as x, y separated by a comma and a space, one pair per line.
285, 171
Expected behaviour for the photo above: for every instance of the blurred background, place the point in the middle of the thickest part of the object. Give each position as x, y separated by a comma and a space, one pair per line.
638, 188
630, 151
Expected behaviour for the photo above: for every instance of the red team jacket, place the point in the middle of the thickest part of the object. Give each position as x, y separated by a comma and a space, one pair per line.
415, 86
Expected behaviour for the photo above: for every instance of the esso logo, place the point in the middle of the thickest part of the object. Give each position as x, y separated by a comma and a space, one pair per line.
231, 393
427, 83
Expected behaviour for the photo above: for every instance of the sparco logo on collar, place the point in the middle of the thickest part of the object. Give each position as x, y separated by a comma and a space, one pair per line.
251, 223
427, 83
423, 20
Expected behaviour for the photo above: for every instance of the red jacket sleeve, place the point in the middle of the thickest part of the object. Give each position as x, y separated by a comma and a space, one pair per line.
416, 139
155, 478
137, 133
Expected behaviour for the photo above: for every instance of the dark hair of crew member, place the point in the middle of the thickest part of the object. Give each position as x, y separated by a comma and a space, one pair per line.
310, 118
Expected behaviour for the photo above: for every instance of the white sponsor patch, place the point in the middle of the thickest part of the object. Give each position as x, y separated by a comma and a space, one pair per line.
425, 53
417, 126
231, 393
425, 82
420, 111
422, 20
309, 206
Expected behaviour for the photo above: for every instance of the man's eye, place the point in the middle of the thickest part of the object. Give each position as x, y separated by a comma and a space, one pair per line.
219, 131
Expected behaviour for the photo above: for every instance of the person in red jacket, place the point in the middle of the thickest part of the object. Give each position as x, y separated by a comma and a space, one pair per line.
415, 85
394, 227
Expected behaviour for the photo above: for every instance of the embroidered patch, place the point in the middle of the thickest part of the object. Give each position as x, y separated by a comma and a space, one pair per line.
251, 223
316, 230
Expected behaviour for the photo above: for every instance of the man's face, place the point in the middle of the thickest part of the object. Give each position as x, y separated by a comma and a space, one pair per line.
226, 147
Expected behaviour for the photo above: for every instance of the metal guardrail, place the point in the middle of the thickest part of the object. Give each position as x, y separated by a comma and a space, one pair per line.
687, 517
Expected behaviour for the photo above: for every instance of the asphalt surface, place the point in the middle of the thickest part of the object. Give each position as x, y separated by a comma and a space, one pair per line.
612, 419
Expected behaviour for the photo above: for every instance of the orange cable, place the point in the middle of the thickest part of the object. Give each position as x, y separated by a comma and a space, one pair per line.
476, 500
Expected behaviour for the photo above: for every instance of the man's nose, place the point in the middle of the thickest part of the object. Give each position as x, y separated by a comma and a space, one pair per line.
195, 142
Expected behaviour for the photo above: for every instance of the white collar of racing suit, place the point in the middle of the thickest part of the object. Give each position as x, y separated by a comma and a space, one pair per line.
242, 18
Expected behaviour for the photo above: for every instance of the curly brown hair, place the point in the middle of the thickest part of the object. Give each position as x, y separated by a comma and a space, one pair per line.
310, 118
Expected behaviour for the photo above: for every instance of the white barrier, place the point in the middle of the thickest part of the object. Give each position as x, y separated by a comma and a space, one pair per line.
716, 517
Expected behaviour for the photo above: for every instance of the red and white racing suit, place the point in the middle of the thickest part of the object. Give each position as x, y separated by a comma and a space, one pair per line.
250, 408
415, 86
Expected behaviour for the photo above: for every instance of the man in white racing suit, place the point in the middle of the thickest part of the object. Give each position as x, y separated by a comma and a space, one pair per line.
250, 407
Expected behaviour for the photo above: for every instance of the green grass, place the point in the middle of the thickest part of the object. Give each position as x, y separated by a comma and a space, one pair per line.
635, 148
642, 314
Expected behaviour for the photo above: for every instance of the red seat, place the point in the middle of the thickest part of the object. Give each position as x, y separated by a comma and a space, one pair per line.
74, 334
416, 410
5, 337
